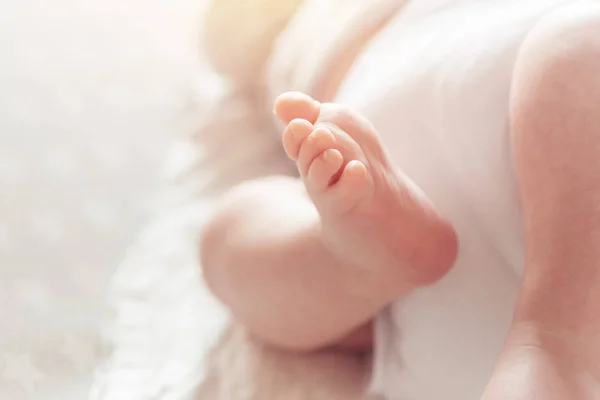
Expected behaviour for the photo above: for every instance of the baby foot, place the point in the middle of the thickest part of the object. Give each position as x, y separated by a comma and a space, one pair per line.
371, 214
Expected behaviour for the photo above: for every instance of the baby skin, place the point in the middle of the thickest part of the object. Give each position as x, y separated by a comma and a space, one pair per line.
306, 263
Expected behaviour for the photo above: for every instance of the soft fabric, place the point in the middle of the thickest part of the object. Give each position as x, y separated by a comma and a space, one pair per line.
92, 93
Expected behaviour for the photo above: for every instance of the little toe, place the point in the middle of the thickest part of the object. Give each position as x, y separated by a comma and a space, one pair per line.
324, 170
292, 105
317, 142
354, 184
294, 135
355, 176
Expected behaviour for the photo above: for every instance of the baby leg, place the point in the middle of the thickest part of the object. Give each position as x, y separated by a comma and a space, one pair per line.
302, 264
553, 351
263, 256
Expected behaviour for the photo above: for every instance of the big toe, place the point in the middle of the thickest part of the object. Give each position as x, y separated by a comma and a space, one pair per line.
292, 105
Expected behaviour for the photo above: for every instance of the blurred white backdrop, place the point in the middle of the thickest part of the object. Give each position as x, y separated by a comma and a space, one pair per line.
91, 93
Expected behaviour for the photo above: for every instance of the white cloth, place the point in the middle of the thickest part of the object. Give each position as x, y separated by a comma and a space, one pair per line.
436, 83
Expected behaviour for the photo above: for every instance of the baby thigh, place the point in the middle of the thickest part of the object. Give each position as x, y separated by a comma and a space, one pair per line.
263, 257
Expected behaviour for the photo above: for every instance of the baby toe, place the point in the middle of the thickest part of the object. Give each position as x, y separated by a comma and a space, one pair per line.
324, 170
353, 185
294, 135
316, 143
293, 105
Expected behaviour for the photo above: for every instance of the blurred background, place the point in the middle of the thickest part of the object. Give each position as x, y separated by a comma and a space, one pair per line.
91, 95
